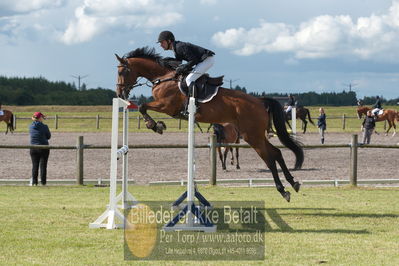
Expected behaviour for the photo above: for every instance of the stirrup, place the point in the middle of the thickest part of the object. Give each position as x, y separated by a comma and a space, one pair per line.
184, 113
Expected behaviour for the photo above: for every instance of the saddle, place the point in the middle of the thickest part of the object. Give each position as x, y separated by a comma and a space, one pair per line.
207, 87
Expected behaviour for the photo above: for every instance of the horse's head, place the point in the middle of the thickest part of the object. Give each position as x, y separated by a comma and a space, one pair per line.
127, 78
361, 110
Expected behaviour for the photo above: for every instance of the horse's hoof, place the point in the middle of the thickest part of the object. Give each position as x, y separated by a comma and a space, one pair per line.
297, 186
160, 127
150, 124
238, 167
286, 195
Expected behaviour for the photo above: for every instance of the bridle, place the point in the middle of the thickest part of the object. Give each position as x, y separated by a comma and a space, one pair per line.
129, 86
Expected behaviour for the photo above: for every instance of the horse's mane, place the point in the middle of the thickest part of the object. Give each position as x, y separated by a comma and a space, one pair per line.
149, 53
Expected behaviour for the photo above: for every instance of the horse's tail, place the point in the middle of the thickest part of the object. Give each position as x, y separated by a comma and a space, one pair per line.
308, 113
277, 111
12, 122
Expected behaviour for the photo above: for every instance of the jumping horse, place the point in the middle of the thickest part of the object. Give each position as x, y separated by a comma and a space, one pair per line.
227, 133
388, 115
301, 113
8, 118
249, 114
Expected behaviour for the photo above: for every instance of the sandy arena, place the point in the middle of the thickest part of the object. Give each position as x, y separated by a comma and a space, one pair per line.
146, 165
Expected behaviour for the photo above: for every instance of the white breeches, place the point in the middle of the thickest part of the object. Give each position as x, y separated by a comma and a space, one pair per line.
200, 69
289, 108
376, 110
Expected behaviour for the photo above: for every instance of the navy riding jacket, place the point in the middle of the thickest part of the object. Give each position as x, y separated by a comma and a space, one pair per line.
369, 122
378, 104
291, 101
321, 123
191, 53
39, 133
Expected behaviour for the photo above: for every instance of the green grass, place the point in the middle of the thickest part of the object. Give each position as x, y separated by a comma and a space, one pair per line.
334, 119
87, 125
337, 226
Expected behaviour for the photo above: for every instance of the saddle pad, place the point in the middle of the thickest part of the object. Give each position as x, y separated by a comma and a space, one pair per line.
205, 95
1, 112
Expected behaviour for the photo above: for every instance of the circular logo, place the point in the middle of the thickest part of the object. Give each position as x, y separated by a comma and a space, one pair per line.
141, 230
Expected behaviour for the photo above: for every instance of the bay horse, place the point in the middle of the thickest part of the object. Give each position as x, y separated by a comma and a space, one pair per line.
227, 133
249, 114
301, 113
388, 114
8, 118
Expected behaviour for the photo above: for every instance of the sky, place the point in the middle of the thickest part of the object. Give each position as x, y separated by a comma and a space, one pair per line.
285, 46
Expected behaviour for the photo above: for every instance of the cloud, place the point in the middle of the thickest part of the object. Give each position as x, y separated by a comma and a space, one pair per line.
95, 17
14, 7
209, 2
375, 37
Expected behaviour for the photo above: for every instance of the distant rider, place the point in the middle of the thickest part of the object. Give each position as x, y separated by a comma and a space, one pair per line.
291, 103
199, 60
377, 106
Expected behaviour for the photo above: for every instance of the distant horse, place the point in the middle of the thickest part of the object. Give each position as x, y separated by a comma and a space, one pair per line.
249, 114
388, 115
227, 133
301, 113
8, 118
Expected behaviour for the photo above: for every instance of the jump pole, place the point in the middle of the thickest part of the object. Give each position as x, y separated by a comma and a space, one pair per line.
109, 219
195, 219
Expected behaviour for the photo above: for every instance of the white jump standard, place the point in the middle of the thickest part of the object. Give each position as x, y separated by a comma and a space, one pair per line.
195, 219
112, 213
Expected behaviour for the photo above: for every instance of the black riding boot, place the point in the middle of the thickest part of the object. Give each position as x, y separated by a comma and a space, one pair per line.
184, 112
193, 92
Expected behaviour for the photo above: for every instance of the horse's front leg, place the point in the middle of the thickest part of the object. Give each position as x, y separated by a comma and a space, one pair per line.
157, 127
389, 127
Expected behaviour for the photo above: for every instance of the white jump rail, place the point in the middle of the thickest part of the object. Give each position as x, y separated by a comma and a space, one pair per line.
113, 217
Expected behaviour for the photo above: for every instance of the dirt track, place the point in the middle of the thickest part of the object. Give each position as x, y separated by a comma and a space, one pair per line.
147, 165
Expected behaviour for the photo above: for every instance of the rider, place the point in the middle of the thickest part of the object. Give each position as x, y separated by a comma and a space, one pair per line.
377, 106
291, 103
199, 59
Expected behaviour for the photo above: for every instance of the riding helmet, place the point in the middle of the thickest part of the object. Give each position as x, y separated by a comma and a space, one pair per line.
165, 36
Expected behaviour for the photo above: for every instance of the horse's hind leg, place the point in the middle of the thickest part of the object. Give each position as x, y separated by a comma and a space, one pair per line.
288, 123
265, 151
232, 155
305, 124
389, 127
238, 163
10, 127
279, 157
221, 158
226, 151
